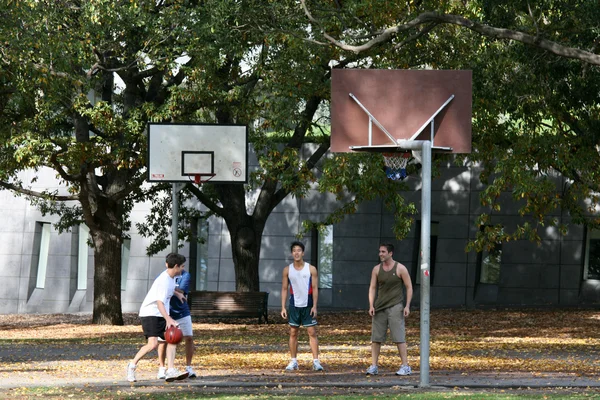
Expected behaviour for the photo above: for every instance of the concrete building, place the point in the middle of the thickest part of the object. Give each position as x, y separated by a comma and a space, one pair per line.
47, 272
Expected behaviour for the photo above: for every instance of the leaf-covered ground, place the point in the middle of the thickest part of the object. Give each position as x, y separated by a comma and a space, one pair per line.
37, 349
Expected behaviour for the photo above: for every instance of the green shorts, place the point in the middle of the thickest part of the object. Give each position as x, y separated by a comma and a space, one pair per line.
392, 317
300, 316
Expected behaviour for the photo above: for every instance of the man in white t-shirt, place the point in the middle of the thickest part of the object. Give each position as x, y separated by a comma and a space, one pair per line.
154, 314
303, 281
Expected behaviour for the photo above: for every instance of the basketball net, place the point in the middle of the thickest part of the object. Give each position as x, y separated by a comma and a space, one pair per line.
395, 165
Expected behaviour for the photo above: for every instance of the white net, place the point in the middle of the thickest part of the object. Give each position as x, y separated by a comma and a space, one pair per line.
396, 165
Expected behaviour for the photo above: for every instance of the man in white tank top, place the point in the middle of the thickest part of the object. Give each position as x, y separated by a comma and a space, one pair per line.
303, 282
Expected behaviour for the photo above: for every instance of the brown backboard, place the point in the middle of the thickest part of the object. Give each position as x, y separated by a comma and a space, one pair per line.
402, 101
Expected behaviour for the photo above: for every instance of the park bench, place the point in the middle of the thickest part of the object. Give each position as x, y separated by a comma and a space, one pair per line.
229, 304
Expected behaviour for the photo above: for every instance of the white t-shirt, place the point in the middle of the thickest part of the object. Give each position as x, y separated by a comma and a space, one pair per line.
301, 286
162, 289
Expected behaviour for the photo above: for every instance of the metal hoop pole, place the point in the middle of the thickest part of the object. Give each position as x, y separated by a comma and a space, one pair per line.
425, 147
425, 255
176, 188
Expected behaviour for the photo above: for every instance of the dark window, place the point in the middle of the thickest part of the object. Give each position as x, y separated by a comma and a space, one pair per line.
489, 262
592, 267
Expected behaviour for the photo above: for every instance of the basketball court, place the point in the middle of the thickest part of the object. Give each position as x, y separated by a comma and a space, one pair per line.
403, 114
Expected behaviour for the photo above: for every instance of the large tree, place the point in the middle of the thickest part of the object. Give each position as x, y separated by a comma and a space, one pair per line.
83, 78
267, 75
535, 91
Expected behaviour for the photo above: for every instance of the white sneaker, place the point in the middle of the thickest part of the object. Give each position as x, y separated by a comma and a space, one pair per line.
131, 372
174, 375
191, 372
372, 370
161, 373
293, 365
317, 366
404, 370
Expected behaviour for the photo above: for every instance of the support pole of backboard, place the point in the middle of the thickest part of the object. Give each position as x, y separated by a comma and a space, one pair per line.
425, 255
176, 188
425, 147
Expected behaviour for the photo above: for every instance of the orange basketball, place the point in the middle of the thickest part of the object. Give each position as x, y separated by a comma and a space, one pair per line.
173, 335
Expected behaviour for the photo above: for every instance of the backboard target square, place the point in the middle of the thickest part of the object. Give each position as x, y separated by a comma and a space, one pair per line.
197, 162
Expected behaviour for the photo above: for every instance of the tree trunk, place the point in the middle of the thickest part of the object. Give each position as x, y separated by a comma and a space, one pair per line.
245, 248
107, 238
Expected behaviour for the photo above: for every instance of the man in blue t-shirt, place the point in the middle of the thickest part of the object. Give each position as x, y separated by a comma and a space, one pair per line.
180, 312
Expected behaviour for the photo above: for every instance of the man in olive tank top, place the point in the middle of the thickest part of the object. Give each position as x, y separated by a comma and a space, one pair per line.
389, 280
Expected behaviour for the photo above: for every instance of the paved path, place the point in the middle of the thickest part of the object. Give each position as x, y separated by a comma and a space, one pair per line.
103, 365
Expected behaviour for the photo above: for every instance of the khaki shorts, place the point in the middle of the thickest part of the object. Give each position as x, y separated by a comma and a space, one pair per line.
392, 317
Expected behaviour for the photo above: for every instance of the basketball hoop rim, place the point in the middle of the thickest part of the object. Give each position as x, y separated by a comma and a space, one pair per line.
395, 149
198, 178
404, 154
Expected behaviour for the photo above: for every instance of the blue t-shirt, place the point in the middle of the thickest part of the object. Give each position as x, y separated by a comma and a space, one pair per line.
177, 308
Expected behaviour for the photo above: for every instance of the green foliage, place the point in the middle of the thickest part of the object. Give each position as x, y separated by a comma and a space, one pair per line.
536, 116
358, 178
157, 226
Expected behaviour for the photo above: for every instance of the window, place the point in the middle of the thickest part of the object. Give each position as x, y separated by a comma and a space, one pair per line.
489, 262
433, 236
43, 251
82, 257
202, 255
591, 269
325, 254
490, 265
125, 250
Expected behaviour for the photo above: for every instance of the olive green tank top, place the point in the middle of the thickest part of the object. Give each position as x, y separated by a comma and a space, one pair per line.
390, 288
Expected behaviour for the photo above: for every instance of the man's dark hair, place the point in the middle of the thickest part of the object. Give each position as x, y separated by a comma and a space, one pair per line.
388, 246
300, 244
174, 259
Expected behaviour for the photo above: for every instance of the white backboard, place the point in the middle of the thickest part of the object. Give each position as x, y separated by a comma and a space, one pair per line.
176, 152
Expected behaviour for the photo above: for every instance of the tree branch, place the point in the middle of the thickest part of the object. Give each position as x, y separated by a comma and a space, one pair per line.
280, 194
205, 199
33, 193
63, 174
388, 34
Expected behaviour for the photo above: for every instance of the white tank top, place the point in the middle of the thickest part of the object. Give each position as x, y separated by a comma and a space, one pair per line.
300, 286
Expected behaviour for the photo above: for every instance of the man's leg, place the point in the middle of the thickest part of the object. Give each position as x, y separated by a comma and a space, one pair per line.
185, 324
189, 350
313, 340
172, 374
145, 349
162, 353
379, 327
171, 350
375, 350
398, 334
161, 350
294, 341
403, 353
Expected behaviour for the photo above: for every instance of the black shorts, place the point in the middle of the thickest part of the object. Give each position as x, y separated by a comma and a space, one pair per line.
154, 327
300, 316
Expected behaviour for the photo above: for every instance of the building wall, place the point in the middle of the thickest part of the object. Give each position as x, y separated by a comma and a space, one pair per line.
548, 274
